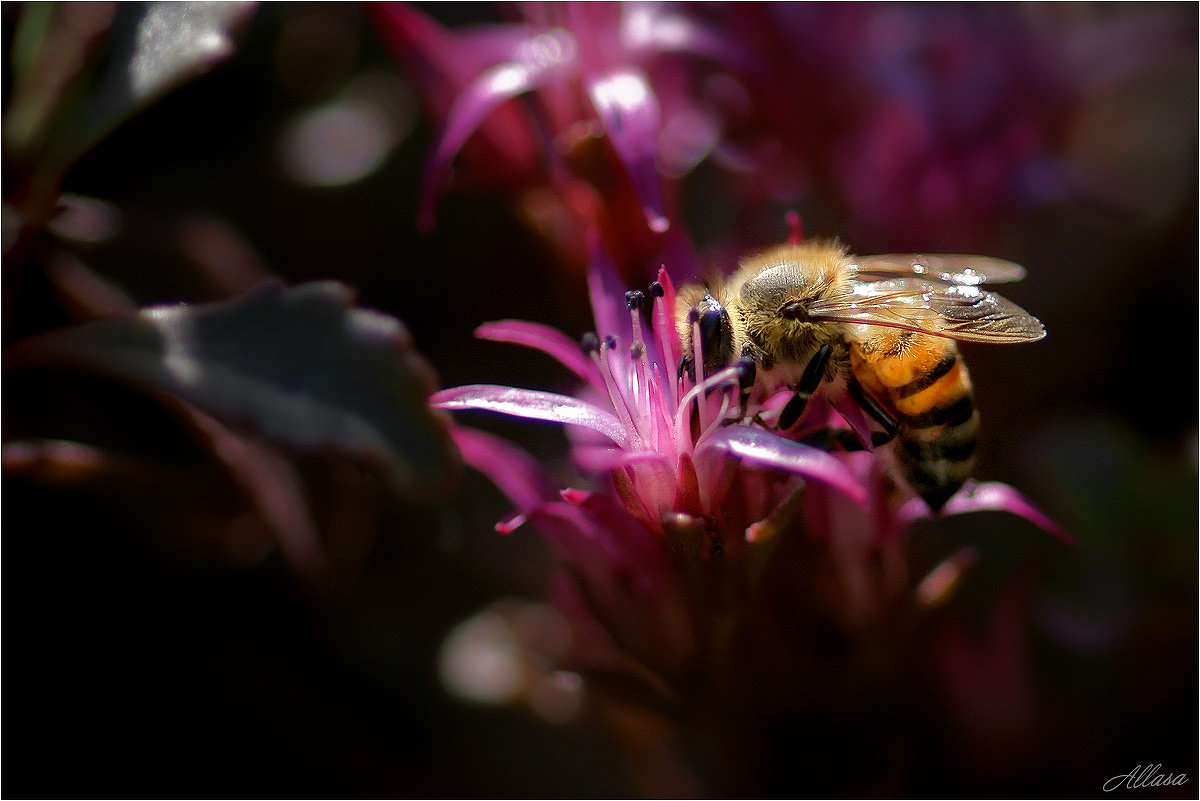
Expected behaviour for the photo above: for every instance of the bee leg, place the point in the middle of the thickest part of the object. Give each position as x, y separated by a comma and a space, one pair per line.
686, 368
872, 407
747, 372
810, 379
844, 439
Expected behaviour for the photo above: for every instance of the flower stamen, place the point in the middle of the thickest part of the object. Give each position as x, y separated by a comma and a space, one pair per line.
697, 366
627, 415
634, 300
662, 328
723, 379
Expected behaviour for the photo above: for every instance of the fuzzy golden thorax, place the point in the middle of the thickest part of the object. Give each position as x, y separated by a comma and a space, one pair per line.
775, 288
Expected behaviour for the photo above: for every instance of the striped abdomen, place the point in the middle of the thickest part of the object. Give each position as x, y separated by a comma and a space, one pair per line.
922, 380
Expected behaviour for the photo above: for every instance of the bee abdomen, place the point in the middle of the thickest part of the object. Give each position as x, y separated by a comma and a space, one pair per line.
936, 442
937, 460
925, 385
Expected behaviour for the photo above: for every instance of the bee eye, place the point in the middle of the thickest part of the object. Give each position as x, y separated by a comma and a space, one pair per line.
714, 329
794, 311
747, 369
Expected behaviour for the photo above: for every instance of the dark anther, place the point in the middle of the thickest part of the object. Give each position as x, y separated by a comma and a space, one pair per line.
637, 350
693, 316
746, 372
634, 299
656, 290
610, 342
590, 343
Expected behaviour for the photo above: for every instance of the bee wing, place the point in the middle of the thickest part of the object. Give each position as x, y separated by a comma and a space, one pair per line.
945, 309
952, 268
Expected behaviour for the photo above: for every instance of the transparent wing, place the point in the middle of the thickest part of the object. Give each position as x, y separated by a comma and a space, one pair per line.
952, 268
941, 308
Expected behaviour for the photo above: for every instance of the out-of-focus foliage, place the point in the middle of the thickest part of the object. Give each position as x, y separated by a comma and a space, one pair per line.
301, 366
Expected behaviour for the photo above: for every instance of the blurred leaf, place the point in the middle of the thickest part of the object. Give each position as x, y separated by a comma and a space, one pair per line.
32, 28
178, 40
67, 97
300, 365
154, 47
51, 47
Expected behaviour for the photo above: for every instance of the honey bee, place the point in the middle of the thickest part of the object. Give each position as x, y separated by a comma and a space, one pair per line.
810, 317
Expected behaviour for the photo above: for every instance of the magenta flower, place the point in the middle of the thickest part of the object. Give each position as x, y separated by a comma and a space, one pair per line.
682, 476
713, 570
612, 106
907, 119
625, 70
686, 480
907, 124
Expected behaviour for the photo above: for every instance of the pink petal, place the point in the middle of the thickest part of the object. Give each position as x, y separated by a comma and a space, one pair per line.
595, 459
654, 477
687, 494
444, 62
995, 496
568, 531
511, 523
763, 448
646, 28
664, 324
628, 107
548, 340
636, 549
517, 474
854, 416
606, 292
486, 93
445, 59
532, 405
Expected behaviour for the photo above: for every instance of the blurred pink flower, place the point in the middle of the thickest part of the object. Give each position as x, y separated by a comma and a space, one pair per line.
904, 123
908, 121
611, 107
588, 64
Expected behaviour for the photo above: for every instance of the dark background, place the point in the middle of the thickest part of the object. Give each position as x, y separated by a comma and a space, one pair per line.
143, 663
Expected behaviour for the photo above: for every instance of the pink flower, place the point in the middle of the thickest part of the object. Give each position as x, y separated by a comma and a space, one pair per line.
610, 108
898, 126
686, 480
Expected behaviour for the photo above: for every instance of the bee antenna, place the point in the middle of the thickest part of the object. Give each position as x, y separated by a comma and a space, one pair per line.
795, 227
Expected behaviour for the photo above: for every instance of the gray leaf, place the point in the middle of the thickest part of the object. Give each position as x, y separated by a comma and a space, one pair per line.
302, 366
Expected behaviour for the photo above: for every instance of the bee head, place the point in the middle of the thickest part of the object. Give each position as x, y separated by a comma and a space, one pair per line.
710, 319
780, 294
775, 303
794, 310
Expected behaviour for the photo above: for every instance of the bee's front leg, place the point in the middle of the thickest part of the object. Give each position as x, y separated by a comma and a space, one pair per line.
848, 440
810, 379
874, 408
